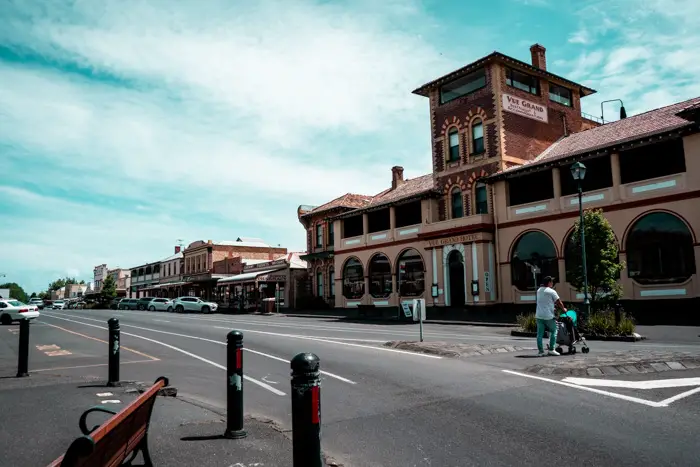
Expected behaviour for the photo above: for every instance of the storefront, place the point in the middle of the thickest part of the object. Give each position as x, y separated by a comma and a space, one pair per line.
203, 285
269, 284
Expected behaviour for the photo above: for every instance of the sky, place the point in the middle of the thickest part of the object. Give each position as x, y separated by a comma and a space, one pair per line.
126, 126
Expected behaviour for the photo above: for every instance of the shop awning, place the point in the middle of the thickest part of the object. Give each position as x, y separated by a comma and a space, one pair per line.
247, 276
174, 284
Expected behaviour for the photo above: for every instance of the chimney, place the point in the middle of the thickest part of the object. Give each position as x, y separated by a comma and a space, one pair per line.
396, 176
177, 249
539, 57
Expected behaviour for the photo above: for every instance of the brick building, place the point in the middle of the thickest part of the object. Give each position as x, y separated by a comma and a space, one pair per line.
199, 258
504, 134
320, 240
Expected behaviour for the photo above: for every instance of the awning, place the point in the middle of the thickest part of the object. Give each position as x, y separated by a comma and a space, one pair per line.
174, 284
247, 276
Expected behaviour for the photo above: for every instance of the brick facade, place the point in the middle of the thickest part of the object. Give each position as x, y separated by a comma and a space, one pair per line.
200, 257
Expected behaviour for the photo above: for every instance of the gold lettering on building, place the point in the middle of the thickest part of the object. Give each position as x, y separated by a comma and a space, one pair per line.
452, 240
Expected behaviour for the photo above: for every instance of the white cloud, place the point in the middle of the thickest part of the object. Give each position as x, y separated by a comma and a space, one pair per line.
197, 120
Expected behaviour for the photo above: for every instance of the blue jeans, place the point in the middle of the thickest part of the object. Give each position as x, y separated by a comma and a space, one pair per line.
551, 326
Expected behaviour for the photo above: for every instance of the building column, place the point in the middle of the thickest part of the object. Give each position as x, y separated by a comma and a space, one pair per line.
366, 297
365, 224
435, 277
394, 283
392, 219
616, 178
556, 181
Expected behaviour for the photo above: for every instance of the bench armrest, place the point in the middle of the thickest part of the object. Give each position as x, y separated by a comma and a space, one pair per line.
83, 418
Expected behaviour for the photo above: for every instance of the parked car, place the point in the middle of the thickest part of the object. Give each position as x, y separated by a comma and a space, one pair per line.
183, 304
38, 302
80, 305
144, 302
128, 304
58, 304
161, 304
13, 310
114, 304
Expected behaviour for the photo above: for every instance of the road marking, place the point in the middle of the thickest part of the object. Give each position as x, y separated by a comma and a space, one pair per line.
91, 366
100, 340
56, 353
336, 342
354, 329
47, 347
104, 394
177, 349
651, 384
161, 321
596, 391
273, 357
112, 401
680, 396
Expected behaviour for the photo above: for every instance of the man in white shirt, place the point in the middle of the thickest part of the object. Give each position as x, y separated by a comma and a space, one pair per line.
547, 302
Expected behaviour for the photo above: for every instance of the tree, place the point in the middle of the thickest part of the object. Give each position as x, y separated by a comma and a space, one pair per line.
109, 287
602, 258
82, 282
58, 283
16, 291
33, 295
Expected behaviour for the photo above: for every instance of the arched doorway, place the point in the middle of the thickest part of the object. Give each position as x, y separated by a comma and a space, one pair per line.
455, 268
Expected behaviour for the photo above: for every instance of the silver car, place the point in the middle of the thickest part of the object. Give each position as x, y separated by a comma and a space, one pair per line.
184, 304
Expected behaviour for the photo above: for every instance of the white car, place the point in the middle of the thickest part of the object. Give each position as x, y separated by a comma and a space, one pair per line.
160, 304
58, 304
38, 302
14, 310
183, 304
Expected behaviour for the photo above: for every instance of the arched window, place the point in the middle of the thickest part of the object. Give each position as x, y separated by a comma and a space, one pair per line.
532, 249
353, 279
453, 137
457, 203
481, 198
331, 281
410, 274
380, 276
477, 137
660, 250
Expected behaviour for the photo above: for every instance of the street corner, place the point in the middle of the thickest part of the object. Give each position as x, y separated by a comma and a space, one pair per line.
455, 349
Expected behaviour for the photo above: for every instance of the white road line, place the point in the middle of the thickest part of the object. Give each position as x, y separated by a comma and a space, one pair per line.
320, 339
650, 384
680, 396
247, 378
161, 321
597, 391
354, 329
273, 357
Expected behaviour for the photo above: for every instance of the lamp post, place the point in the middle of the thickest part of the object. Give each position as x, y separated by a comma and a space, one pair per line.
578, 171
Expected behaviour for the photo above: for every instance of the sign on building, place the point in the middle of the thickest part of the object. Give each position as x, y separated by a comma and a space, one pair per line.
525, 108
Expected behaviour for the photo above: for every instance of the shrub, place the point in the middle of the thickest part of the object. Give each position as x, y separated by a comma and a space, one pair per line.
527, 323
602, 323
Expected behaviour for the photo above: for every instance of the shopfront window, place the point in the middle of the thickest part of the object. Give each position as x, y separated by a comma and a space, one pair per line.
380, 276
353, 279
533, 249
331, 282
660, 250
410, 274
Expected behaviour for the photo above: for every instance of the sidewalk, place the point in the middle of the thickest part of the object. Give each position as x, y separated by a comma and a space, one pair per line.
41, 412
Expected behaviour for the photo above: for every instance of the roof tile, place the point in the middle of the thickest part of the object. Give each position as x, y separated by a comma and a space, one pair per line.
348, 200
629, 129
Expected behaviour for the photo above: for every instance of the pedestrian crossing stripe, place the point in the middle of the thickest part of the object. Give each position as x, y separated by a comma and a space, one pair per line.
55, 353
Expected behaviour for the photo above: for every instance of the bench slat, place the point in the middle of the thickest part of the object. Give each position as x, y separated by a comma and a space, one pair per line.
122, 434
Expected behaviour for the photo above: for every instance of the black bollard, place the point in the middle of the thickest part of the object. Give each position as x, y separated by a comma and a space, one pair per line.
306, 411
234, 386
23, 359
618, 313
113, 376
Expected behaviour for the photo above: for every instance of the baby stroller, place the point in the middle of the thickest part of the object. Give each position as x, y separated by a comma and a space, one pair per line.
568, 335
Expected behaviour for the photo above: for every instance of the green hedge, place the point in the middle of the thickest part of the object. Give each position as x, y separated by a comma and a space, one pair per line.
600, 323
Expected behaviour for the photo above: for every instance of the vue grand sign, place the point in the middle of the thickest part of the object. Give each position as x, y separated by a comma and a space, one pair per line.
525, 108
468, 238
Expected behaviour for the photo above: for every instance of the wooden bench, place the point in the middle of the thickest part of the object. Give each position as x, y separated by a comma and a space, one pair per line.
124, 434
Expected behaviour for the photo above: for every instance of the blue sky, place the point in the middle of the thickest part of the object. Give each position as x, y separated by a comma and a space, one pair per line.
126, 125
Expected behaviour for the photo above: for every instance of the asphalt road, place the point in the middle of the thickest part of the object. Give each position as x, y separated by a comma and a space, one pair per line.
383, 407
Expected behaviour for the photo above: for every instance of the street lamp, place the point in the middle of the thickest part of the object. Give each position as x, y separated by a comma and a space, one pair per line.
578, 171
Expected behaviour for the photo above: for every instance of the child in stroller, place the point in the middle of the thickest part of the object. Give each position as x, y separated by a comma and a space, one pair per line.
567, 333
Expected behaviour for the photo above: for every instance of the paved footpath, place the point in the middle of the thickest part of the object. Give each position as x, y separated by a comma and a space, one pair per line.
386, 406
